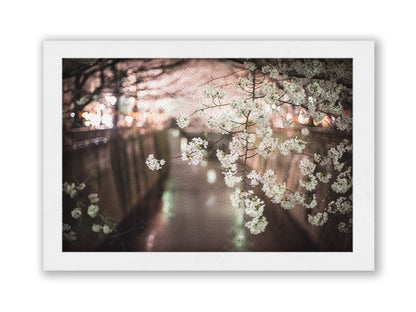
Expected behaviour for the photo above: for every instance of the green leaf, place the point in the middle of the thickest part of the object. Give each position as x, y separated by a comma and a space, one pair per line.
205, 134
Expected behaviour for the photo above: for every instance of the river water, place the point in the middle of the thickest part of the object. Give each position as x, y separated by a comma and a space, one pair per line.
191, 211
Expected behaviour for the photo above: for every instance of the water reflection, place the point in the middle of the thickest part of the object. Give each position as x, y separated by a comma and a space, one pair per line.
211, 176
196, 214
193, 212
184, 142
239, 232
211, 200
149, 241
167, 202
174, 132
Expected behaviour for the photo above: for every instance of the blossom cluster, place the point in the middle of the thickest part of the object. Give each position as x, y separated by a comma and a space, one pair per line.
319, 219
253, 207
267, 146
306, 166
194, 151
343, 182
250, 66
153, 163
342, 205
309, 182
297, 145
72, 189
324, 178
292, 200
310, 202
90, 207
214, 93
243, 83
309, 68
224, 123
183, 121
340, 182
229, 166
345, 227
271, 190
320, 97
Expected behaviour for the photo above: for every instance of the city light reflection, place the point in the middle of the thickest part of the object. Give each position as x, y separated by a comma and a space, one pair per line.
211, 200
175, 132
167, 201
184, 142
211, 176
239, 239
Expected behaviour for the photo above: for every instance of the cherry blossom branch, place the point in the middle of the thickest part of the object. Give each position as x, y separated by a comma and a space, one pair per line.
246, 127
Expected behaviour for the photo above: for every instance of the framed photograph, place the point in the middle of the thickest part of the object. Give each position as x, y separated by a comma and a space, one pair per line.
208, 155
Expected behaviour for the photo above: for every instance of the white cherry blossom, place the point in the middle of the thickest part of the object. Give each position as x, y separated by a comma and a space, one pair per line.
76, 213
153, 163
183, 121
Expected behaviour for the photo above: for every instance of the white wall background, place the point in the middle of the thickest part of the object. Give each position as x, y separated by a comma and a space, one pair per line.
25, 24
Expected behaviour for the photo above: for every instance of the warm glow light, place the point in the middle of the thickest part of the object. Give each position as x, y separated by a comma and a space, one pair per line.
131, 100
326, 122
277, 122
111, 99
101, 114
303, 118
107, 120
91, 119
128, 119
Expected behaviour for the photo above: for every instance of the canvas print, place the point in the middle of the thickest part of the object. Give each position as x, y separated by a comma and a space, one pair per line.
230, 155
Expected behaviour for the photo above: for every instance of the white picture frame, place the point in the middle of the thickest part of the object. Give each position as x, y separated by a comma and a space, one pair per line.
360, 259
